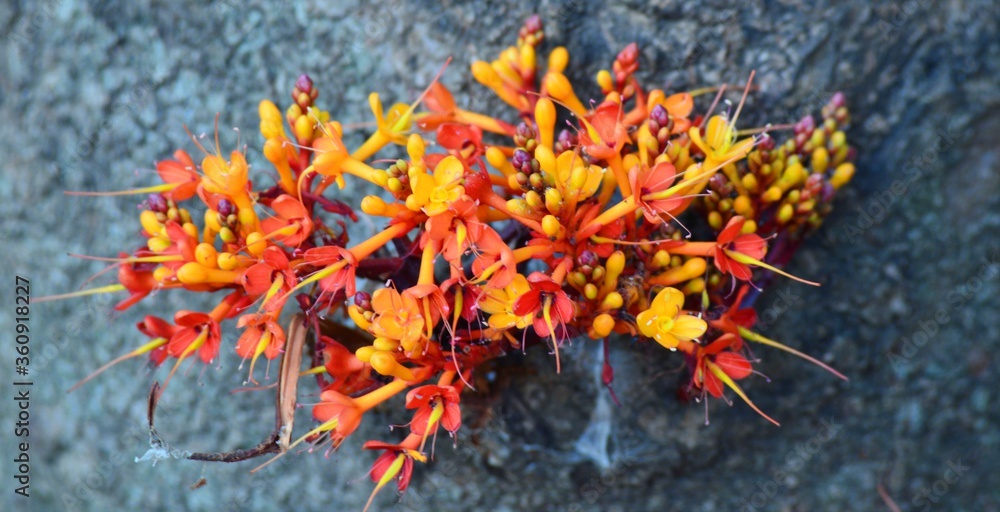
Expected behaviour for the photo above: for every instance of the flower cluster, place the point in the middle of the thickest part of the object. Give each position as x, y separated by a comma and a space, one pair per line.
567, 224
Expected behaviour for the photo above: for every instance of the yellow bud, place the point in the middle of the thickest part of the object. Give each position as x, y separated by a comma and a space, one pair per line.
247, 218
742, 205
694, 286
533, 199
415, 147
161, 273
820, 160
545, 117
226, 261
750, 226
496, 158
206, 254
551, 226
558, 86
842, 175
270, 119
386, 364
611, 301
597, 274
590, 291
256, 244
558, 59
773, 194
185, 215
394, 185
518, 207
192, 273
662, 258
149, 222
553, 201
603, 324
615, 265
485, 74
304, 128
227, 235
546, 159
360, 317
386, 344
578, 178
364, 354
191, 230
212, 220
158, 244
749, 182
375, 205
605, 81
715, 220
577, 279
380, 178
785, 213
838, 140
528, 57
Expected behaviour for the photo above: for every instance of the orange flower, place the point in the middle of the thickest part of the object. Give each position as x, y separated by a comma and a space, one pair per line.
397, 316
261, 335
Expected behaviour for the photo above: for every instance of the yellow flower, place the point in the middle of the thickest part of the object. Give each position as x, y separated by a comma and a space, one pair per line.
434, 193
720, 143
499, 303
665, 323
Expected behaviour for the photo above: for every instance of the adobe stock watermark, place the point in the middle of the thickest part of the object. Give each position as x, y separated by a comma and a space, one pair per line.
881, 203
136, 96
931, 324
100, 476
41, 18
928, 496
902, 14
795, 461
419, 498
599, 485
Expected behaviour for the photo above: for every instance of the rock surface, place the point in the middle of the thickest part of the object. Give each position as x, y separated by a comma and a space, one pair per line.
908, 309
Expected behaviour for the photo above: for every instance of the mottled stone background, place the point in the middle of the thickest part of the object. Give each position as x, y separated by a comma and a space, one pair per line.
93, 93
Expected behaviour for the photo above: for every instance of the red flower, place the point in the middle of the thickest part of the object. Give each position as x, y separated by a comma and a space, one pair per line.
139, 283
605, 134
197, 331
293, 221
261, 335
180, 172
735, 317
649, 186
342, 277
427, 399
156, 327
270, 277
547, 301
730, 241
396, 463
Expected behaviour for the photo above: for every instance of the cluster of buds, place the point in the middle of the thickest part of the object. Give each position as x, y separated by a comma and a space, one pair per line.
493, 237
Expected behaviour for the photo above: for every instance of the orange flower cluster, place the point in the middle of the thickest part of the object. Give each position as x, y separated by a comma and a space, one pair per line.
494, 236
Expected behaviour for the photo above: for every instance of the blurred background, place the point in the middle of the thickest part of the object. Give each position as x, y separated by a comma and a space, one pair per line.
92, 94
